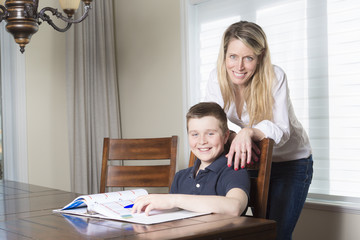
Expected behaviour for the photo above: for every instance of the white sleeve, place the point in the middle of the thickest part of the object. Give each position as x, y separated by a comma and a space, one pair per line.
279, 128
213, 92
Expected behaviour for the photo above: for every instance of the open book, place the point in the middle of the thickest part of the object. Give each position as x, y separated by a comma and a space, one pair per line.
112, 205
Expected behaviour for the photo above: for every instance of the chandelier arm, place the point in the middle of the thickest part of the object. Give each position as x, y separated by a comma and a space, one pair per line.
47, 19
4, 13
58, 14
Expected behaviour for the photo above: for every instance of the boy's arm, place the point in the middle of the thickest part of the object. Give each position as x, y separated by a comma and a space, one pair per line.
234, 203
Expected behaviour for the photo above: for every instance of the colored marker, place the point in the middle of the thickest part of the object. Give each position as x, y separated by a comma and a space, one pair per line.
129, 206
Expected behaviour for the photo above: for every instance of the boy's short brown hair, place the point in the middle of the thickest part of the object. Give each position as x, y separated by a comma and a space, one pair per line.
205, 109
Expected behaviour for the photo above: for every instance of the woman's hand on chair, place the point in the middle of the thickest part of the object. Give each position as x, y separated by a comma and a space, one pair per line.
243, 149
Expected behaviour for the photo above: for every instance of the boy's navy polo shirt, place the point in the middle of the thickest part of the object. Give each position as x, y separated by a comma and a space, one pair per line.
216, 179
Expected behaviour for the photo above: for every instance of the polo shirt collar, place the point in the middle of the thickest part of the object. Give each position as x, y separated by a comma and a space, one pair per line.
214, 166
218, 164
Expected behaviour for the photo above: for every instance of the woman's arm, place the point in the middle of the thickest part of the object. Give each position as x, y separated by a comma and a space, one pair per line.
234, 203
277, 129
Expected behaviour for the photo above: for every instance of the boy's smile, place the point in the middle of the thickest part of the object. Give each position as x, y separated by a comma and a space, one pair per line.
206, 139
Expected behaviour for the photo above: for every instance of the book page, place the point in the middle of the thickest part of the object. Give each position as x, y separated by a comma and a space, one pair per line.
127, 197
111, 209
111, 206
156, 216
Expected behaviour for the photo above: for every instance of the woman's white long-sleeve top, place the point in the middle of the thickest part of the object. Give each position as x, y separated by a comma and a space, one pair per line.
291, 140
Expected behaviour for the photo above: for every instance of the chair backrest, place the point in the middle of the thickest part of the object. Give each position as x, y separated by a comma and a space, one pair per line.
138, 149
260, 183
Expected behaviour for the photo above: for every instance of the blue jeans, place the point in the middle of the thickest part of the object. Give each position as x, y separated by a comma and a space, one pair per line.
289, 186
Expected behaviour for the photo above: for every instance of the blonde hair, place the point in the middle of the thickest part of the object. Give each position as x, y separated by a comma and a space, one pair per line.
258, 92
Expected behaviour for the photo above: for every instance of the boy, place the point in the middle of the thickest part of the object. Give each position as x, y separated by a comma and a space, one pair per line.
208, 186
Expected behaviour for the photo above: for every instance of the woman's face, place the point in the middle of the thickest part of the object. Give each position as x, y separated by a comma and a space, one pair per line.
241, 62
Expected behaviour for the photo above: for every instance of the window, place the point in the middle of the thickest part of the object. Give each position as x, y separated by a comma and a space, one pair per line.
317, 43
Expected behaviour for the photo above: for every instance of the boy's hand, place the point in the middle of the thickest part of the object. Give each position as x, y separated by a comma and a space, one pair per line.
151, 202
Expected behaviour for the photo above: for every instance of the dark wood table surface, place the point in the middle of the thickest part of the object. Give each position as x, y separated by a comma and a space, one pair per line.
26, 213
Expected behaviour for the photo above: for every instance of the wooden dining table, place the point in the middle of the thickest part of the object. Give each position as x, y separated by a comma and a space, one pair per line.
26, 213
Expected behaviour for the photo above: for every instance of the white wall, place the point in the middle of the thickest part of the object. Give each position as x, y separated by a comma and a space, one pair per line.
149, 67
319, 224
48, 155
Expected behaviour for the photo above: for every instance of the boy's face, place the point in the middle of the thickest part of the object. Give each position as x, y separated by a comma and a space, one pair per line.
206, 139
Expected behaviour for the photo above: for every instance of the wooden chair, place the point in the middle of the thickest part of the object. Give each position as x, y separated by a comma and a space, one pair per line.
147, 149
259, 184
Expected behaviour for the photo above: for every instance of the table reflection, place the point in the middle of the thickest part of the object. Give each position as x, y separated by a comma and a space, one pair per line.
97, 227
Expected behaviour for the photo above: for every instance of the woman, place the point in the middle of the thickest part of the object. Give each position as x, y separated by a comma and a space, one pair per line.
255, 95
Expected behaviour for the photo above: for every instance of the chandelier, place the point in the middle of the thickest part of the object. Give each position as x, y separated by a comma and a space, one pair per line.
23, 18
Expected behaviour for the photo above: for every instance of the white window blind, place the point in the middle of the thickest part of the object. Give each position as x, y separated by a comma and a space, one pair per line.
317, 43
344, 98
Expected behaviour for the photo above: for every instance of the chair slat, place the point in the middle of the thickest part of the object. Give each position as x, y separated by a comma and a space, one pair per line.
139, 149
146, 149
138, 176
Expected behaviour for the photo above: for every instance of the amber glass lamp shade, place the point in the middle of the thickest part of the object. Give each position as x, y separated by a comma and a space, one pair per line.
69, 6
